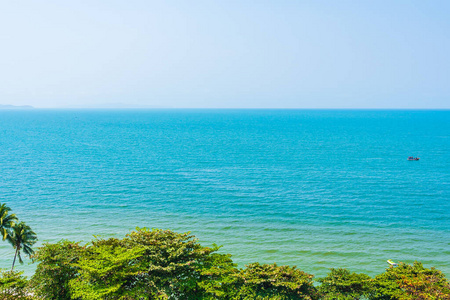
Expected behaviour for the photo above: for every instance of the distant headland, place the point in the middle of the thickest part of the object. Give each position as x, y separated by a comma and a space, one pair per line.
8, 106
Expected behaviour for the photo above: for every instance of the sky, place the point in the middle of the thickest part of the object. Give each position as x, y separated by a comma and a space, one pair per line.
225, 54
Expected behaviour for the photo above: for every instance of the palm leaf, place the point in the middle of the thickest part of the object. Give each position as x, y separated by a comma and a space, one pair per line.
6, 220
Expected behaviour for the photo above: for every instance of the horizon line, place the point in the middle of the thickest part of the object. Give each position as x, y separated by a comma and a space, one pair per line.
29, 107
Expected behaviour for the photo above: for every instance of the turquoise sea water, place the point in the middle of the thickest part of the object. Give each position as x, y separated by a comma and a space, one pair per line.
316, 189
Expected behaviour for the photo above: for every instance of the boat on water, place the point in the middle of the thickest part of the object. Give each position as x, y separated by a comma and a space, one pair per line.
413, 158
392, 263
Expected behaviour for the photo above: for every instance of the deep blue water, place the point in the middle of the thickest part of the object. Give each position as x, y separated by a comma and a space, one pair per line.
316, 189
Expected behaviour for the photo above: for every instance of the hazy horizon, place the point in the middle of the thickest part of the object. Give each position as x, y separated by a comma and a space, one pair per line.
239, 54
149, 107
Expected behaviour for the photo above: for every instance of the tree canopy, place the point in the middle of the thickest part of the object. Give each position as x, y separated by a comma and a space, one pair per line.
162, 264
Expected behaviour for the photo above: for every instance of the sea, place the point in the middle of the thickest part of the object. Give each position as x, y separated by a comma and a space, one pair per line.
316, 189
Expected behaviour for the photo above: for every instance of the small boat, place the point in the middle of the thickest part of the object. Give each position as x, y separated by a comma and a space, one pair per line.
413, 158
392, 263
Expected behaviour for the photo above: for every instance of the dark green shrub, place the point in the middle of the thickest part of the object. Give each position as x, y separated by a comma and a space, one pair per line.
108, 270
56, 267
217, 280
162, 264
264, 281
14, 286
341, 284
411, 282
146, 264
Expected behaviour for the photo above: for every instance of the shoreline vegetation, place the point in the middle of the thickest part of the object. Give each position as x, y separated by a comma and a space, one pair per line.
162, 264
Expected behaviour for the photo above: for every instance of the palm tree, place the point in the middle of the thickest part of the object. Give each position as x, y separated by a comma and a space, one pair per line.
21, 237
6, 221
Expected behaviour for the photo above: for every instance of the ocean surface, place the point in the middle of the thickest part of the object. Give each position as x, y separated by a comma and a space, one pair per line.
312, 188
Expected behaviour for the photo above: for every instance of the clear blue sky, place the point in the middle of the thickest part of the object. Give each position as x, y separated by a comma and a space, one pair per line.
214, 54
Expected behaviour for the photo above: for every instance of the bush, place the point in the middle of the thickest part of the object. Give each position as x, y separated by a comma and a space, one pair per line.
217, 277
108, 270
341, 284
146, 264
171, 262
14, 286
162, 264
57, 266
411, 282
264, 281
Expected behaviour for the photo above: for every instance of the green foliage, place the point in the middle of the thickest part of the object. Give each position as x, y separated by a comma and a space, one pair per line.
13, 286
108, 270
6, 220
57, 266
343, 285
264, 281
148, 264
162, 264
172, 262
218, 277
21, 237
411, 282
276, 282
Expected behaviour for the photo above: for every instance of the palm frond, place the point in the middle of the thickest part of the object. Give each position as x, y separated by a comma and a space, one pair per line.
4, 233
6, 220
27, 250
20, 257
